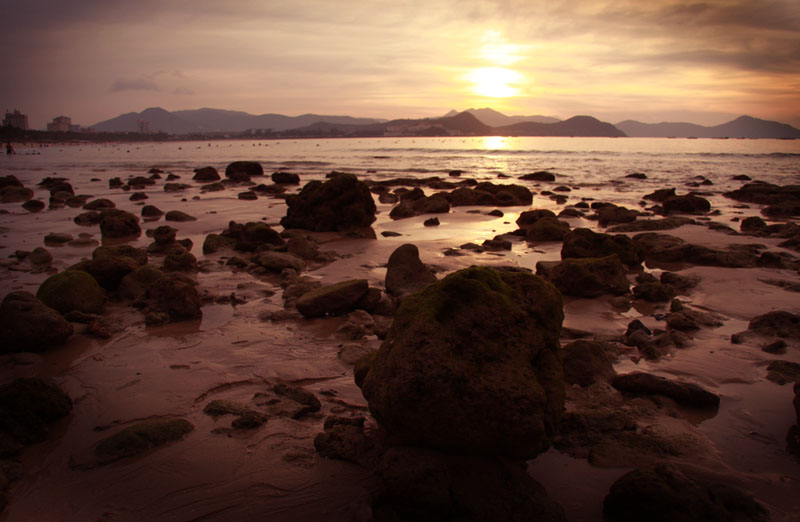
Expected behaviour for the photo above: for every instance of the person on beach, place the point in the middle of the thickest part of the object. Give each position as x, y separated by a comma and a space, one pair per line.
9, 149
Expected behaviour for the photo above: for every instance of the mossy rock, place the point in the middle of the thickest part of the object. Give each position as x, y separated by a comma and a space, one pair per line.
27, 324
583, 243
135, 440
135, 284
72, 290
471, 365
341, 203
547, 229
590, 277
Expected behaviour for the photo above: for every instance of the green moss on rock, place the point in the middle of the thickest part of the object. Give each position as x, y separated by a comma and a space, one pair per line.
72, 290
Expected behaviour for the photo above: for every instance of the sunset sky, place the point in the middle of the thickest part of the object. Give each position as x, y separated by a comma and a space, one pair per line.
660, 60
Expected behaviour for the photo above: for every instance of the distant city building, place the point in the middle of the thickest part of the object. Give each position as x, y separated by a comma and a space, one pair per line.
143, 126
60, 124
16, 119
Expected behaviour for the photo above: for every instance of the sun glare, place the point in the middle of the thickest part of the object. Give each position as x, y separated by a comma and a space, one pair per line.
495, 82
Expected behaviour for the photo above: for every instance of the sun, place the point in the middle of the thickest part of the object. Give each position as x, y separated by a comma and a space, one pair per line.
495, 82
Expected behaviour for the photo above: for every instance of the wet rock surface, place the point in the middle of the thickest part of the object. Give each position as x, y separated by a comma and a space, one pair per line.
27, 324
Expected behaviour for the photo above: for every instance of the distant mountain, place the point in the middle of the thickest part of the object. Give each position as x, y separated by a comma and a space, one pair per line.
494, 118
586, 126
742, 127
218, 120
157, 118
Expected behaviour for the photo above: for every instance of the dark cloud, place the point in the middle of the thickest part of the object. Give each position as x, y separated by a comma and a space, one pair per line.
134, 84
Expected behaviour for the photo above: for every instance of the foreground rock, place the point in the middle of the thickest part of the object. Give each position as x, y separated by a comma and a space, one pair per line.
175, 297
471, 365
72, 290
665, 494
341, 203
583, 243
27, 408
688, 394
405, 272
667, 248
27, 324
335, 299
589, 277
139, 438
115, 223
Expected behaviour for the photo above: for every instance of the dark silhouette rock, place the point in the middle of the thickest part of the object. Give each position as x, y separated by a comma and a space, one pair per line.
665, 494
405, 272
781, 372
590, 277
243, 170
285, 178
180, 260
177, 215
141, 437
15, 194
176, 187
206, 175
27, 408
586, 362
765, 193
793, 436
135, 284
33, 205
277, 261
530, 217
541, 175
688, 394
151, 211
660, 195
27, 324
489, 194
344, 439
336, 299
99, 204
686, 204
108, 267
777, 323
646, 225
471, 365
610, 214
115, 223
215, 242
546, 229
72, 290
341, 203
583, 243
175, 297
667, 248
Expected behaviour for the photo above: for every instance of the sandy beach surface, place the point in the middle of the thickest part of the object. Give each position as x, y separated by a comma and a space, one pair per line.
243, 346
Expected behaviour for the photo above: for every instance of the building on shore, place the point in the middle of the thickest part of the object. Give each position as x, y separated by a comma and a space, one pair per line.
16, 119
143, 127
60, 124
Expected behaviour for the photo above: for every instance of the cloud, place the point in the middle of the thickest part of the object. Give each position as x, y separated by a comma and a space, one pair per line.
134, 84
183, 91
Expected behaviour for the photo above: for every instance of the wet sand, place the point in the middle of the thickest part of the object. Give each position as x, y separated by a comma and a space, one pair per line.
274, 472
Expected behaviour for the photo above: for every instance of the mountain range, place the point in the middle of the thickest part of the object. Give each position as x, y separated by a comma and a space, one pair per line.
472, 122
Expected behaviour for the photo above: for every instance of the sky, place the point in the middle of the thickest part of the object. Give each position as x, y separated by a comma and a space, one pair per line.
705, 62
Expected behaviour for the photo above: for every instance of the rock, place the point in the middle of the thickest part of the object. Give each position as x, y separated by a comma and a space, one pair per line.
664, 494
765, 193
667, 248
615, 214
249, 420
180, 260
778, 323
138, 196
584, 243
206, 175
688, 394
248, 195
686, 204
405, 272
432, 222
419, 484
55, 238
219, 407
40, 257
344, 439
150, 211
637, 175
27, 324
215, 242
87, 218
541, 175
585, 362
402, 211
176, 187
174, 296
108, 269
660, 195
115, 223
776, 347
33, 205
336, 299
242, 170
141, 437
590, 277
277, 261
677, 282
72, 290
431, 205
299, 395
793, 436
547, 229
14, 194
99, 204
653, 292
341, 203
177, 215
27, 408
135, 284
530, 217
352, 352
252, 235
489, 194
285, 178
781, 372
471, 365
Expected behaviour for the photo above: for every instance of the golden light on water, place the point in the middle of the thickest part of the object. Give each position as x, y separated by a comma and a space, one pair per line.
494, 142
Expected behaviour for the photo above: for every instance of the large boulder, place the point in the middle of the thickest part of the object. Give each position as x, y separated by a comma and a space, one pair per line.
405, 272
206, 175
27, 324
135, 284
666, 248
341, 203
590, 277
116, 223
583, 242
686, 204
471, 365
72, 290
242, 170
665, 494
335, 299
547, 229
688, 394
108, 267
174, 296
489, 194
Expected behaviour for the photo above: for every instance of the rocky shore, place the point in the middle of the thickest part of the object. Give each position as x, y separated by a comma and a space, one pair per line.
241, 345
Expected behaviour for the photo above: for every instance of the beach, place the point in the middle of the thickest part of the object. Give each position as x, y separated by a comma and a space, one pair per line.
247, 341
